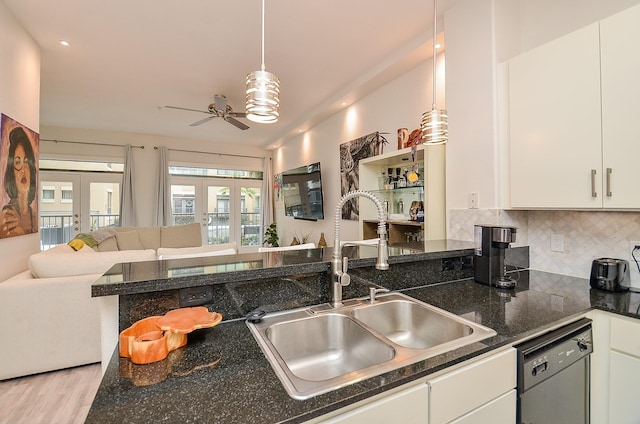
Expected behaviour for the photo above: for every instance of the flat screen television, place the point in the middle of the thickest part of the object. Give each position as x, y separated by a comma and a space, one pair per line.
302, 192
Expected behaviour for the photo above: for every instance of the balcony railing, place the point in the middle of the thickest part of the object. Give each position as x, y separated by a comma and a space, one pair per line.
58, 229
218, 227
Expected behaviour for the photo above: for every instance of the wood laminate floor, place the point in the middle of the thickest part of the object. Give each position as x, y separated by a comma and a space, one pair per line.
57, 397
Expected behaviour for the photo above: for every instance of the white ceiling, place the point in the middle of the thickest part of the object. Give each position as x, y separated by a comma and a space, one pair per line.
128, 58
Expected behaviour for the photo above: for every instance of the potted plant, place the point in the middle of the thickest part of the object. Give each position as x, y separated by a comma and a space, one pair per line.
271, 236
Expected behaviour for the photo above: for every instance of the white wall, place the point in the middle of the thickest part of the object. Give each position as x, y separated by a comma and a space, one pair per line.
145, 160
19, 99
399, 104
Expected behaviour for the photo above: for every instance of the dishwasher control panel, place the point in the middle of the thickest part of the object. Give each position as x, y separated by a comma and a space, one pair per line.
551, 353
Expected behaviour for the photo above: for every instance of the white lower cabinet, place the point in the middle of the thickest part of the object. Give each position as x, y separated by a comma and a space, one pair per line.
466, 391
408, 406
500, 410
624, 371
623, 389
477, 391
615, 369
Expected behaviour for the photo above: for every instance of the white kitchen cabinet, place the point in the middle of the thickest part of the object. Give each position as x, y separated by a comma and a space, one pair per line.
479, 392
620, 67
623, 389
476, 391
499, 411
573, 106
554, 124
408, 406
615, 368
624, 371
431, 160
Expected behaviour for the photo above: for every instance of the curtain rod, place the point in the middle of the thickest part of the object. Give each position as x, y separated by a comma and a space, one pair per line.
88, 142
212, 153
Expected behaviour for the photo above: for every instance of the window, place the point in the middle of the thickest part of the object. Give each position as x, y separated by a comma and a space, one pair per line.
226, 201
67, 194
77, 196
48, 194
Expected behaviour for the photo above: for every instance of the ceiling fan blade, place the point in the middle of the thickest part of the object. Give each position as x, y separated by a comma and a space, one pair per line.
221, 102
186, 108
235, 122
202, 121
237, 114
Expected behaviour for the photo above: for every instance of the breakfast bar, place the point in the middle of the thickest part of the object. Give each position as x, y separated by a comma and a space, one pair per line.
222, 376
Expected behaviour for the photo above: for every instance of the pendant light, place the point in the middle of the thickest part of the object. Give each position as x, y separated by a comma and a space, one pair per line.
434, 123
263, 91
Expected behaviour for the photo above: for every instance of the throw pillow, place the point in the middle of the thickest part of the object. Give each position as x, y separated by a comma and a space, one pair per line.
77, 244
108, 245
188, 235
128, 240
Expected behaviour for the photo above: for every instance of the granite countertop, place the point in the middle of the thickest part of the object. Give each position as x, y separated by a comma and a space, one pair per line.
141, 277
222, 376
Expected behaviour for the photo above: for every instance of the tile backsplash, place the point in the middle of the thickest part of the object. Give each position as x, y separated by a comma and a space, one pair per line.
586, 235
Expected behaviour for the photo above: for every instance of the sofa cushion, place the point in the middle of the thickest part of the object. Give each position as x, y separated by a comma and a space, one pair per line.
149, 236
108, 245
188, 235
191, 252
63, 261
128, 240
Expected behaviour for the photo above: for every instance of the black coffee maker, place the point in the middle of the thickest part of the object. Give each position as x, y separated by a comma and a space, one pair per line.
488, 261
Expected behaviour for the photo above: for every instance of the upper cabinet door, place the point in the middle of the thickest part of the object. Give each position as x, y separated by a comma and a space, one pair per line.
555, 130
620, 56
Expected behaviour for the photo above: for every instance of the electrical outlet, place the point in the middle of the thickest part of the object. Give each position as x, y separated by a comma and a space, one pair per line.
473, 200
634, 245
557, 243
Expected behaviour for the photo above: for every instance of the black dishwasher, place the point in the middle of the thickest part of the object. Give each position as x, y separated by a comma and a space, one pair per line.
553, 376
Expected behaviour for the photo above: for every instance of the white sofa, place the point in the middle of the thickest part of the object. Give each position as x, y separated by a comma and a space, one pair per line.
48, 318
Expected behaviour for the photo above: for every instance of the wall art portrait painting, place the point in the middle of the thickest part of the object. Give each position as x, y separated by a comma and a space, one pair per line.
18, 178
351, 153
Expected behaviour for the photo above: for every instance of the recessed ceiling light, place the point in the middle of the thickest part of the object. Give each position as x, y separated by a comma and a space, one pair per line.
65, 43
438, 45
344, 103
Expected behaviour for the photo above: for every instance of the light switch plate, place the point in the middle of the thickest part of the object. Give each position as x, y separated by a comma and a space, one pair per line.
473, 200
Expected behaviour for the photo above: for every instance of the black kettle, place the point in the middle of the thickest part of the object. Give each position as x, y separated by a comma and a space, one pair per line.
610, 274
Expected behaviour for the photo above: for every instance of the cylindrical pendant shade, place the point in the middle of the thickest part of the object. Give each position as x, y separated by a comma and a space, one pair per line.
263, 97
434, 127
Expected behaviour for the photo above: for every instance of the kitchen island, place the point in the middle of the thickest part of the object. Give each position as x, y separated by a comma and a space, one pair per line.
222, 376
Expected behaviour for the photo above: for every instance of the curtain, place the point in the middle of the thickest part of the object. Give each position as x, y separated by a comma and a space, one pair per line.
162, 211
267, 194
127, 205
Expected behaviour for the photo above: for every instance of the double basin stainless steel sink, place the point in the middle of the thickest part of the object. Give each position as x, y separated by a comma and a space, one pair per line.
314, 350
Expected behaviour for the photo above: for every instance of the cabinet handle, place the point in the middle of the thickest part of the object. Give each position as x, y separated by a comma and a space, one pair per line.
593, 183
609, 171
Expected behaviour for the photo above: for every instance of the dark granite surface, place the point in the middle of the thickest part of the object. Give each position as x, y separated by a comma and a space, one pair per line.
236, 299
142, 277
221, 376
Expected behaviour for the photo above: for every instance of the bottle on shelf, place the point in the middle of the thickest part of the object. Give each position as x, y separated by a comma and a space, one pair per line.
400, 208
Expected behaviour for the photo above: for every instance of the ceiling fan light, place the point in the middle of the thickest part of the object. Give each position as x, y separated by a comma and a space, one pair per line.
263, 97
434, 127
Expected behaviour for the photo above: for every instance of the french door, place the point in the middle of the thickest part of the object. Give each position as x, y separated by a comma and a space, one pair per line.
230, 210
76, 202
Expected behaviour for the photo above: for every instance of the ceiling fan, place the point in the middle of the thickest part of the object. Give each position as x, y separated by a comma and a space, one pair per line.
218, 109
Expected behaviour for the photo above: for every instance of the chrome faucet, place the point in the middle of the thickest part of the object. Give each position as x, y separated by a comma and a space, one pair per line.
339, 264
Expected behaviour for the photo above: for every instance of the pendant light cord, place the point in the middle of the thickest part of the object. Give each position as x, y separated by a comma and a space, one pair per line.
263, 67
435, 33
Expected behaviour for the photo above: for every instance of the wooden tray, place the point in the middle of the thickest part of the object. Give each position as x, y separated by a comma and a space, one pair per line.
152, 338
